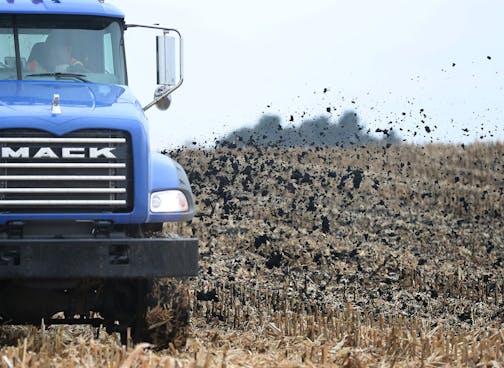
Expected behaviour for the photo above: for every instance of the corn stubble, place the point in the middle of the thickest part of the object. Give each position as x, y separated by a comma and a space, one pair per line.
350, 257
168, 320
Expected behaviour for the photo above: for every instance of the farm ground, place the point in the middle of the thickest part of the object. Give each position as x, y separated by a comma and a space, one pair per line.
365, 256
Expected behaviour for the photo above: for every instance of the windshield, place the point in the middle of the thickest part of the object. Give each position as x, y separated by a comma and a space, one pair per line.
72, 48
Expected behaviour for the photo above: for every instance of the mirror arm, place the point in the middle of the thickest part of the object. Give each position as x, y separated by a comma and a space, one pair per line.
166, 94
153, 27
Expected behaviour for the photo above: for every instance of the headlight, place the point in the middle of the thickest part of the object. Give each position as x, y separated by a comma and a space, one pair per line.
169, 201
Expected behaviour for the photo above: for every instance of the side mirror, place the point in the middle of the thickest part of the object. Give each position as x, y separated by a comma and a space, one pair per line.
169, 59
170, 75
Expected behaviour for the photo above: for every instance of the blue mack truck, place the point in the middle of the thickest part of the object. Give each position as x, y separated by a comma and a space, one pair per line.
82, 197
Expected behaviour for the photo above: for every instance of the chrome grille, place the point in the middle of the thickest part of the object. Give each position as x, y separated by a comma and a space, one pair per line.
83, 171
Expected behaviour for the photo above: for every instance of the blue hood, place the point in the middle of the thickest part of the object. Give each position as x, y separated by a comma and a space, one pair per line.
31, 101
27, 105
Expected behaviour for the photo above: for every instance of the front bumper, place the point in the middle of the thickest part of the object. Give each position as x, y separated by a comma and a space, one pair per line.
97, 258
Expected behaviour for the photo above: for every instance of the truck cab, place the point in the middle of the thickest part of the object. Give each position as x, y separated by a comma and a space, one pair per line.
80, 189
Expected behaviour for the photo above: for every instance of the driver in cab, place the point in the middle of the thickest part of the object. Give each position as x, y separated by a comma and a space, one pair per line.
54, 55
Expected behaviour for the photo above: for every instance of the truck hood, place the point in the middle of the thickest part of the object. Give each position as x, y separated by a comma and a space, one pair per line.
34, 99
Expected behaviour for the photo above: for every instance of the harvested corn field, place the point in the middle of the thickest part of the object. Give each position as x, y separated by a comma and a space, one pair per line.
365, 256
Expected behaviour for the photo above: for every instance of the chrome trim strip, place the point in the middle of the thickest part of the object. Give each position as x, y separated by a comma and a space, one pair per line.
61, 166
61, 177
61, 140
62, 203
63, 190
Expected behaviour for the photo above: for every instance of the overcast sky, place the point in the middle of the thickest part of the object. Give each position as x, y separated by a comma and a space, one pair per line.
386, 60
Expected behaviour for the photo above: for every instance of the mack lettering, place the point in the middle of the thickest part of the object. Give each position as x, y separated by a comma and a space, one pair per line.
61, 152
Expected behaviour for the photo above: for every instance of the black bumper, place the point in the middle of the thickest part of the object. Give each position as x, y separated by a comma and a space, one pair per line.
97, 258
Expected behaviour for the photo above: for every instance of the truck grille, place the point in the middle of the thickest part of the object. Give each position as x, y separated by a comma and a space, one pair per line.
83, 171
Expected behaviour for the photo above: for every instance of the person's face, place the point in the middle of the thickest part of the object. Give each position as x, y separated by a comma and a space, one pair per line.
60, 54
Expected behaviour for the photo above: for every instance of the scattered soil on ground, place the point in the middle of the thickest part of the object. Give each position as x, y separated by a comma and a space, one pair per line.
327, 256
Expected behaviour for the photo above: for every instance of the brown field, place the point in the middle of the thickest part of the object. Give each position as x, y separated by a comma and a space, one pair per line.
349, 257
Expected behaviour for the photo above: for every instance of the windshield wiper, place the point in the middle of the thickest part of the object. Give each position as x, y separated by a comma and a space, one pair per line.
80, 77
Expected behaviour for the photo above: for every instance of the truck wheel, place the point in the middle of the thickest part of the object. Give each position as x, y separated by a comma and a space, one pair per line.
166, 316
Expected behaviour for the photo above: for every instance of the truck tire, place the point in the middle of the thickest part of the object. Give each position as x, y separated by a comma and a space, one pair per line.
165, 316
157, 311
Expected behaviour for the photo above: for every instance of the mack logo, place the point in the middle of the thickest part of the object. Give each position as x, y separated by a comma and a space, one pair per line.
65, 152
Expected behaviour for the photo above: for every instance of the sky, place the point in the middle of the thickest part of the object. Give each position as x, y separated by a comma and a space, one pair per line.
402, 64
